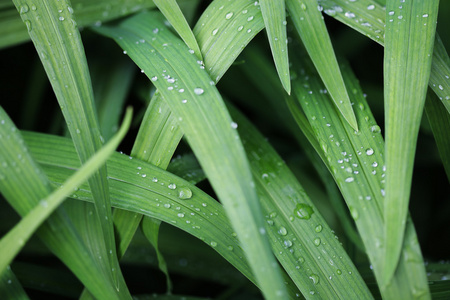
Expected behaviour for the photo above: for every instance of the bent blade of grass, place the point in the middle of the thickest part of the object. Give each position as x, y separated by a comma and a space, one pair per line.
298, 232
274, 16
174, 15
410, 30
356, 161
222, 39
10, 287
88, 13
312, 30
23, 185
16, 238
193, 99
368, 17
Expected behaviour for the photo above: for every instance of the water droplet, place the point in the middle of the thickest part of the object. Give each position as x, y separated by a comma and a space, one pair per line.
282, 230
375, 129
229, 15
198, 91
314, 278
240, 28
303, 211
167, 205
214, 32
338, 271
371, 7
303, 6
288, 243
250, 18
425, 15
354, 213
28, 24
23, 9
33, 7
318, 228
172, 186
234, 125
317, 241
61, 18
213, 244
369, 151
349, 179
441, 87
184, 193
180, 215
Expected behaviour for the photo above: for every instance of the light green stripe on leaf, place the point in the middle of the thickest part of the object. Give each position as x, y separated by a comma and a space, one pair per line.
410, 31
274, 16
312, 30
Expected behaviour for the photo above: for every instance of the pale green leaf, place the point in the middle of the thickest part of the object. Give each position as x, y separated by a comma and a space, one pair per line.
410, 30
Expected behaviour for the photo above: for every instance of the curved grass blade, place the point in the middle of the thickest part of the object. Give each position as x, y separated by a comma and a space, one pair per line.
302, 241
174, 15
53, 30
10, 287
23, 184
16, 238
88, 13
223, 31
356, 161
274, 16
410, 30
192, 97
368, 17
312, 30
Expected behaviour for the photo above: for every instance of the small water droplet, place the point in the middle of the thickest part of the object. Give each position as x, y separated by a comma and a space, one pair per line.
317, 241
184, 193
318, 228
314, 278
303, 211
172, 186
198, 91
213, 244
28, 24
167, 205
61, 18
229, 15
371, 7
354, 213
23, 9
214, 32
288, 243
338, 271
375, 129
180, 215
234, 125
303, 6
282, 230
349, 179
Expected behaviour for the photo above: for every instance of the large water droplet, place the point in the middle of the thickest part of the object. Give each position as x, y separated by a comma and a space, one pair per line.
303, 211
369, 151
314, 278
23, 9
198, 91
184, 193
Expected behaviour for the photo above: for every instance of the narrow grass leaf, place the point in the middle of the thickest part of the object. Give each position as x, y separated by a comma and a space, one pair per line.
223, 31
312, 30
356, 161
298, 232
274, 16
16, 238
87, 12
193, 98
23, 185
174, 15
368, 17
10, 287
53, 30
410, 30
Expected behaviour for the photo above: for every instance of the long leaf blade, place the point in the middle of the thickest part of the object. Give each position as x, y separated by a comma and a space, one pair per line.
196, 102
274, 15
410, 30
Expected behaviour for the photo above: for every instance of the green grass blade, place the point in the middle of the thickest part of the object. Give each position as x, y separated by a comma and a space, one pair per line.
440, 125
23, 185
312, 30
10, 287
161, 55
88, 13
298, 232
410, 30
53, 30
14, 240
356, 161
368, 17
223, 31
274, 16
174, 15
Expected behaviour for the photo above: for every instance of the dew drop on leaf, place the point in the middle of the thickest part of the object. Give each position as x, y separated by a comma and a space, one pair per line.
184, 193
303, 211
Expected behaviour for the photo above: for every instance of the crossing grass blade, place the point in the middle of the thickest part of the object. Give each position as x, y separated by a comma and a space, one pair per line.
222, 35
274, 16
369, 18
309, 23
23, 185
410, 31
193, 99
12, 31
298, 232
53, 30
356, 161
14, 240
174, 15
10, 287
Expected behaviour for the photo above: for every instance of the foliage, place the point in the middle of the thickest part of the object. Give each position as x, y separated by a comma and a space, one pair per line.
252, 148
